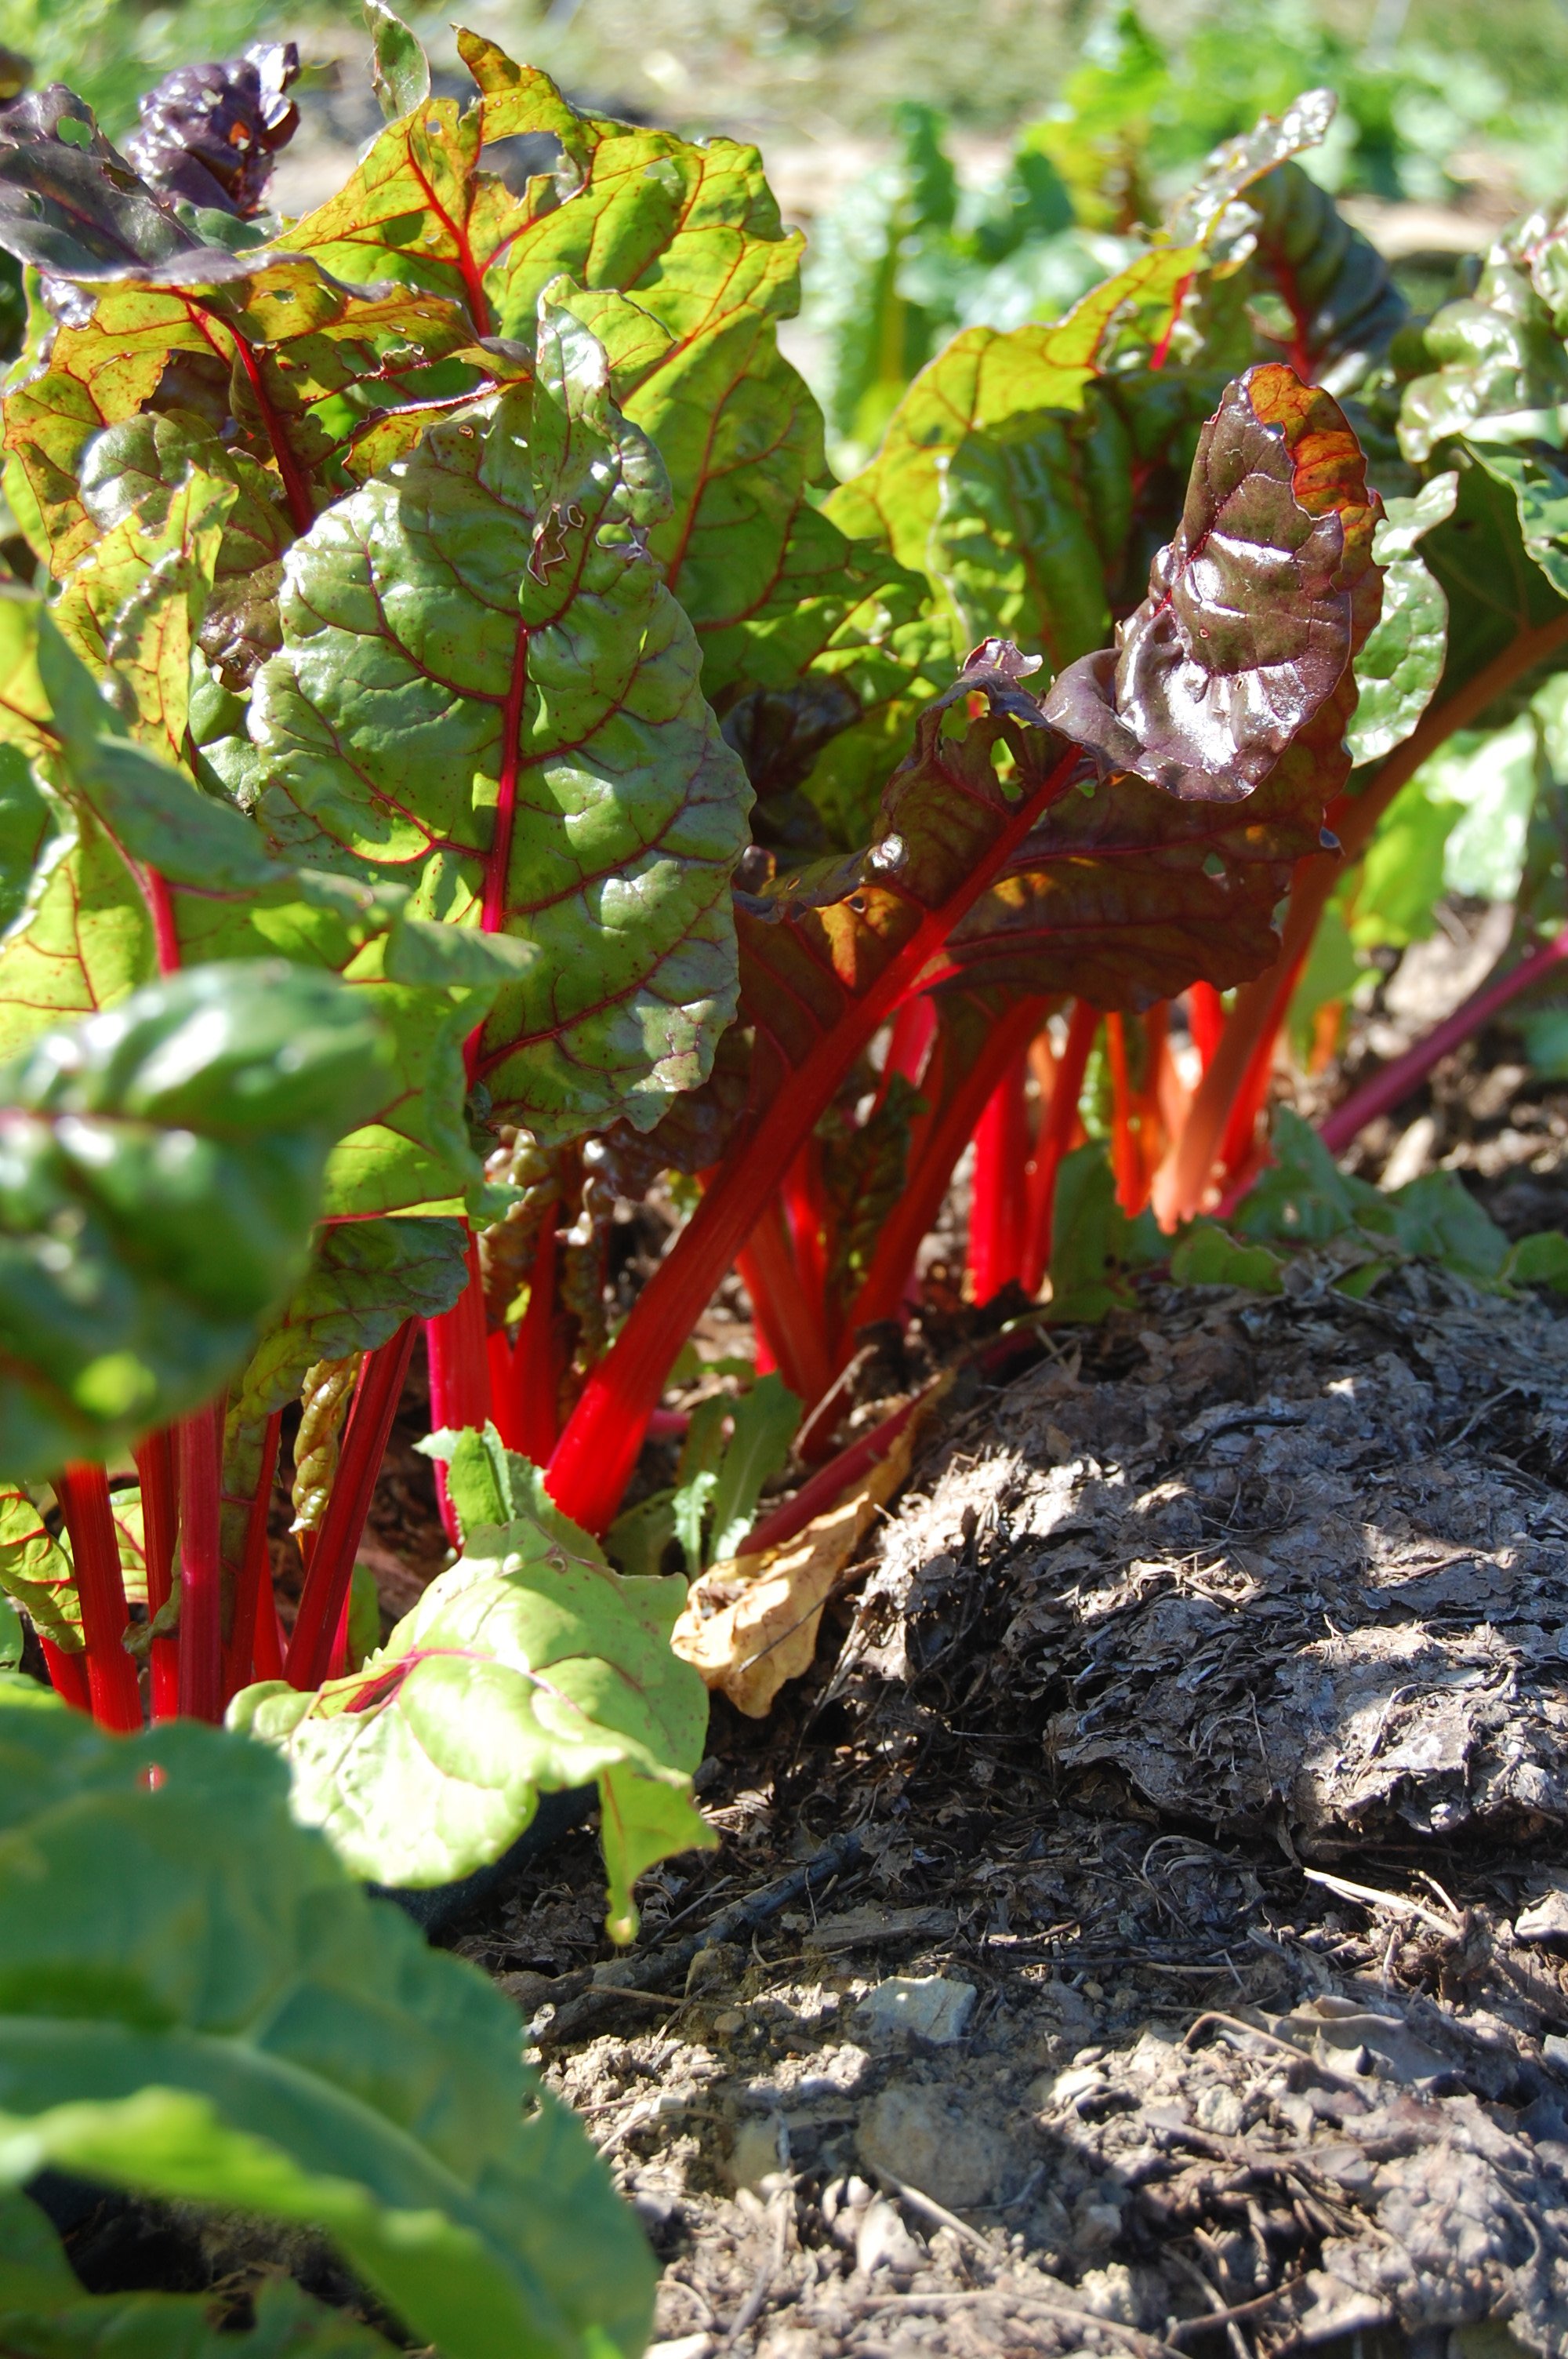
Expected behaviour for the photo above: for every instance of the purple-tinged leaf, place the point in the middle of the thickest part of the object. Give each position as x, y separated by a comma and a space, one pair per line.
1253, 611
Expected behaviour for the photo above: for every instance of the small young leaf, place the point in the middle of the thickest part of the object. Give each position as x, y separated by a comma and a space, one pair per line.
1207, 1256
1540, 1259
399, 68
765, 1420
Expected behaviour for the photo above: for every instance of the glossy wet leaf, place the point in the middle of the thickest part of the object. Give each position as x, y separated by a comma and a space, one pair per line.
486, 691
527, 1667
69, 203
1397, 670
244, 2028
160, 1167
1253, 611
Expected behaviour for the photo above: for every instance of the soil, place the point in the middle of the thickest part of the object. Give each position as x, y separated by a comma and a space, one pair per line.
1143, 1928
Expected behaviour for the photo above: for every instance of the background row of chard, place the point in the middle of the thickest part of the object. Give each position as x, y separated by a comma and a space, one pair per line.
740, 840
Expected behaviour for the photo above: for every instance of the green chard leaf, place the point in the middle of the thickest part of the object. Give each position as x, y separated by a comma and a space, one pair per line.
527, 1667
1397, 670
485, 691
764, 1421
160, 1167
364, 1280
246, 2028
35, 1568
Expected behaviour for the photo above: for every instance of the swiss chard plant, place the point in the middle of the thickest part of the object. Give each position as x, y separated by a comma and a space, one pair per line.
446, 596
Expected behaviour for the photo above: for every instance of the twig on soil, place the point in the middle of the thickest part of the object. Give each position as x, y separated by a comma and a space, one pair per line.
1395, 1902
1005, 2298
614, 1979
1218, 2307
929, 2209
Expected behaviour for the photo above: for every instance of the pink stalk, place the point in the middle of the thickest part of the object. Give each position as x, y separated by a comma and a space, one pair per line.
82, 1491
998, 1208
938, 1149
160, 1530
1056, 1137
68, 1675
255, 1571
527, 1411
201, 1565
374, 1406
460, 1374
1396, 1081
787, 1314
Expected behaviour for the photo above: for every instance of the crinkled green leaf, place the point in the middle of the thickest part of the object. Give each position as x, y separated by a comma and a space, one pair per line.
984, 378
1498, 351
46, 2313
160, 1167
135, 604
1028, 526
364, 1280
1397, 670
197, 2001
1539, 481
486, 691
685, 269
36, 1570
528, 1666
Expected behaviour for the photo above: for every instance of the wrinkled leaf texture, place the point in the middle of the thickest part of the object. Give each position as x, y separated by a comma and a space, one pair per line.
198, 2003
485, 691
